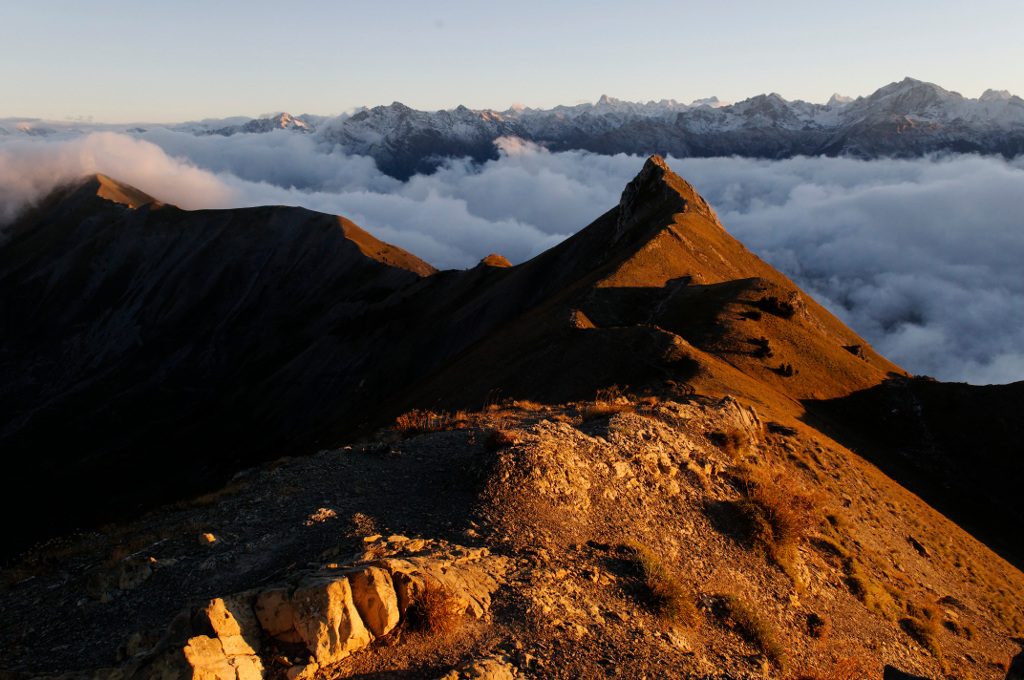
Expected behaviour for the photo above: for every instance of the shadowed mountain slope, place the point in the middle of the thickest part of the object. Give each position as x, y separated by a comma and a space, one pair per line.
957, 446
145, 347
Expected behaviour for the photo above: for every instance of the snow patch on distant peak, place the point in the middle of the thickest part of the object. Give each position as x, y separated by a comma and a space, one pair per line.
995, 95
712, 101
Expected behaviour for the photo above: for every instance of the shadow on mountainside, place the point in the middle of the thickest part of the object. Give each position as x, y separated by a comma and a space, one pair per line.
957, 446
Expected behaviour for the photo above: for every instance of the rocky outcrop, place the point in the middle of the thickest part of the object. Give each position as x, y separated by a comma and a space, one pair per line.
332, 611
495, 667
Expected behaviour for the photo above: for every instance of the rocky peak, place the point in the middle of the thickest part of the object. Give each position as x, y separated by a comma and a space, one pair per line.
656, 189
995, 95
110, 189
911, 96
495, 260
713, 102
838, 100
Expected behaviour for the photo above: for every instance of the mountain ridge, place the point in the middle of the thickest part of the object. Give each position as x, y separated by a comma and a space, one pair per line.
213, 330
906, 119
646, 392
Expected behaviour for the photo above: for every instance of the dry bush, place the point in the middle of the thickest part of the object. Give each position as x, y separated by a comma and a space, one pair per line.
777, 513
598, 410
434, 611
527, 405
750, 624
776, 307
498, 439
964, 630
421, 422
922, 624
876, 598
608, 402
732, 442
647, 405
672, 602
830, 549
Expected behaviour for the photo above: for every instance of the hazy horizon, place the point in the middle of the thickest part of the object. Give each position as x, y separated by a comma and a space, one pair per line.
116, 61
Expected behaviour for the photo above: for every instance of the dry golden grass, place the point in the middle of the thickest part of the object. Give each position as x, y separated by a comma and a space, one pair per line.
778, 514
600, 410
498, 439
876, 598
732, 442
926, 634
434, 610
750, 625
964, 630
418, 421
672, 602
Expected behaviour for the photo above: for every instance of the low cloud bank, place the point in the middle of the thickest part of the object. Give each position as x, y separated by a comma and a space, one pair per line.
921, 257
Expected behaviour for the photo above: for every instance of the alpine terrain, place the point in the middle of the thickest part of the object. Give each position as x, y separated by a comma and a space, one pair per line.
261, 443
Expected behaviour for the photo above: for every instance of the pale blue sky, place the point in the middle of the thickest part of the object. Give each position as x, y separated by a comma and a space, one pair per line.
119, 61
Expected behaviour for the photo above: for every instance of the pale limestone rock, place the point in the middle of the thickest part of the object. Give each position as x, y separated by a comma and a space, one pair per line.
374, 595
206, 657
235, 645
407, 581
489, 668
306, 672
327, 619
234, 621
277, 615
247, 667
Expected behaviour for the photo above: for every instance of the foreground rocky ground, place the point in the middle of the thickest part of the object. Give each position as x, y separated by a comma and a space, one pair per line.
657, 535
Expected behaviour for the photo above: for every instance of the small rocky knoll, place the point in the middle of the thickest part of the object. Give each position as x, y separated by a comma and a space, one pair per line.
661, 534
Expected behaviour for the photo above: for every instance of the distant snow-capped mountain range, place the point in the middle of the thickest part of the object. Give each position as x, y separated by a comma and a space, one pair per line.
905, 119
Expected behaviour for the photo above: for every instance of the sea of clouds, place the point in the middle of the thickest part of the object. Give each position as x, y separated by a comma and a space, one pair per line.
923, 258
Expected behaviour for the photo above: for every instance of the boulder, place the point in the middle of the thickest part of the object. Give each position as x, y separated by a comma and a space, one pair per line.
489, 668
327, 619
276, 614
374, 595
233, 620
206, 657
